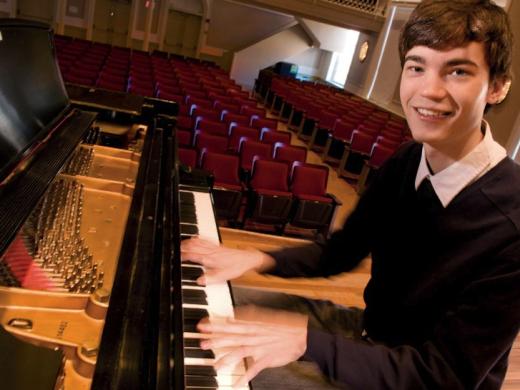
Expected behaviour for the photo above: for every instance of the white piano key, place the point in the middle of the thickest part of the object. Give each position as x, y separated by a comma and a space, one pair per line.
218, 295
205, 216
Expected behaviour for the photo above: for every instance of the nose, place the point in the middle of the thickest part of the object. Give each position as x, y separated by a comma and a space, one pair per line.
433, 87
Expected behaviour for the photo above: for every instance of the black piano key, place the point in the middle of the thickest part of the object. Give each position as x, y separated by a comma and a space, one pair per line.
201, 381
186, 196
197, 297
191, 273
190, 283
189, 229
188, 208
199, 369
190, 325
192, 263
190, 342
194, 313
199, 353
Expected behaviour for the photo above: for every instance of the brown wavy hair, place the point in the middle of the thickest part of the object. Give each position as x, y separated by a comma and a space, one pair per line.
447, 24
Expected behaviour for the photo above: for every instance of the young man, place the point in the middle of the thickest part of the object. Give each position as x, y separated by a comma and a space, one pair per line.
441, 222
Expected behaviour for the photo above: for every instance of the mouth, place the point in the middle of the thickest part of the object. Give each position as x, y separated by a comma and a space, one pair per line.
428, 113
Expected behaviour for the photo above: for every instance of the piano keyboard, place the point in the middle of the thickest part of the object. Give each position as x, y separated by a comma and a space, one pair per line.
213, 301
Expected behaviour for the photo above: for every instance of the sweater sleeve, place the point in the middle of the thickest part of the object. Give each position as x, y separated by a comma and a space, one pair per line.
346, 247
474, 334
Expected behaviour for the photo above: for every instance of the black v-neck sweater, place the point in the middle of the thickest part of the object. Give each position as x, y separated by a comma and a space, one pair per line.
443, 301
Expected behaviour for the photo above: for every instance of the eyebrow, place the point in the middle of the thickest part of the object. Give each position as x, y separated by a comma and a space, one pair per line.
418, 59
453, 62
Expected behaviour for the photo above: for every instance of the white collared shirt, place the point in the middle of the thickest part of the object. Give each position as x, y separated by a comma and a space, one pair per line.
453, 179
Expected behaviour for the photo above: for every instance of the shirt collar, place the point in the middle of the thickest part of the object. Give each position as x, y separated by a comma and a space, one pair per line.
454, 178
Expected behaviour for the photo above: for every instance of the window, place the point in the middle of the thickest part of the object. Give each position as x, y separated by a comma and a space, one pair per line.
340, 61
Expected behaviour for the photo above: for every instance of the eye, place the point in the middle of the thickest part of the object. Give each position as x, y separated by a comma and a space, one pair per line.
414, 69
459, 72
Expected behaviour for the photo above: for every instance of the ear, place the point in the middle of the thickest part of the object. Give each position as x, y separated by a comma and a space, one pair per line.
498, 90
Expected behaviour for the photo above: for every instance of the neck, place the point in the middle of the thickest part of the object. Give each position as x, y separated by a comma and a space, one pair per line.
440, 157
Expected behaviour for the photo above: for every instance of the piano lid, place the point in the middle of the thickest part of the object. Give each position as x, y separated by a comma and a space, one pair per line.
32, 92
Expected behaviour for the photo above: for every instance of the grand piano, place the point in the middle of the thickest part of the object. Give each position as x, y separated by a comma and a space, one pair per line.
92, 290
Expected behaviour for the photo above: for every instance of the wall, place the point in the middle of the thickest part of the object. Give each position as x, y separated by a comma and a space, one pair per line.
383, 74
42, 11
182, 33
331, 38
308, 62
236, 26
111, 21
358, 73
248, 62
505, 118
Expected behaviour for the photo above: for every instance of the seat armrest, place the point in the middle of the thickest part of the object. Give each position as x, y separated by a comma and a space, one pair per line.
337, 202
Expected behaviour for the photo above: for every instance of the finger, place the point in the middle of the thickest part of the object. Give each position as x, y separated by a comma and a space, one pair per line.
230, 326
214, 276
201, 281
253, 370
198, 245
232, 358
233, 340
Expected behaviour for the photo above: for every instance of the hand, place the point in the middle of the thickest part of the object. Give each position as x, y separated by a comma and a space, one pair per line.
221, 263
270, 338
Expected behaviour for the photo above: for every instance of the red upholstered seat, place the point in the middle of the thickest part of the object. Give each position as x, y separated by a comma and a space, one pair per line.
260, 123
187, 156
237, 132
227, 188
248, 149
272, 136
270, 200
289, 153
314, 207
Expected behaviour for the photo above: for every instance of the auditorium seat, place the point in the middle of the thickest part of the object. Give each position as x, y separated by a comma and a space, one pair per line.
188, 157
184, 137
184, 122
269, 199
228, 118
313, 207
227, 188
205, 142
326, 121
248, 150
378, 156
272, 136
339, 137
260, 123
289, 153
355, 154
222, 108
237, 132
311, 115
212, 127
206, 113
249, 111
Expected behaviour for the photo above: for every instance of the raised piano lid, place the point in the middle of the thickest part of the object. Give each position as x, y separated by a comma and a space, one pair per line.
38, 128
32, 93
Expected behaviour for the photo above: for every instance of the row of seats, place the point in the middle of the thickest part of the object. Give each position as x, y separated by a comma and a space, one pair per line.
352, 134
154, 74
278, 193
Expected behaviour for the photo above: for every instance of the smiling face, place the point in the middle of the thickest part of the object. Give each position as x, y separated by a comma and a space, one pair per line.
444, 94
